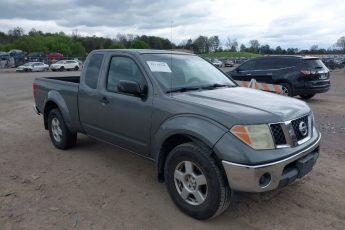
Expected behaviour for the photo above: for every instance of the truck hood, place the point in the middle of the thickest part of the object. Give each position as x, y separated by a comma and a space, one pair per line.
244, 105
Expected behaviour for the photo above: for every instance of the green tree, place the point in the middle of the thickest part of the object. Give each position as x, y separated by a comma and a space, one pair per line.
243, 48
200, 45
117, 45
254, 45
139, 44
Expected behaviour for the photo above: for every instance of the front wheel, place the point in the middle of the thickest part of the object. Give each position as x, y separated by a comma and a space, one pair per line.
195, 182
60, 136
307, 96
286, 89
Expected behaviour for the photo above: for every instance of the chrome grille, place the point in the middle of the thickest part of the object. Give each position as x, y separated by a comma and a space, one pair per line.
296, 123
278, 134
292, 133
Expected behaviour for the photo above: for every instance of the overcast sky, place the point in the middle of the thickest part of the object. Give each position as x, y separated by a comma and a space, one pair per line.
288, 23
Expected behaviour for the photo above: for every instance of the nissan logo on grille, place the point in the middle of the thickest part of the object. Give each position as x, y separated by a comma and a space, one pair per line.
302, 127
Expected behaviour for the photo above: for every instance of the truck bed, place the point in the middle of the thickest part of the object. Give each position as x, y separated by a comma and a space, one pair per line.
64, 90
74, 79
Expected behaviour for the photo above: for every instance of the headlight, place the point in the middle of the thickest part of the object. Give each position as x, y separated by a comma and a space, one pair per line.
256, 136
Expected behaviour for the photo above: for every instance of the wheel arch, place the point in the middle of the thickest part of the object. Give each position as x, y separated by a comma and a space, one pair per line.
182, 129
55, 100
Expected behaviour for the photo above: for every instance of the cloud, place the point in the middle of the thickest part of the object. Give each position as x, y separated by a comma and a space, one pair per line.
291, 23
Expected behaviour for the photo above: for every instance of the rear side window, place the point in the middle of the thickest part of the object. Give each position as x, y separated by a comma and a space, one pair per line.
280, 63
314, 64
92, 71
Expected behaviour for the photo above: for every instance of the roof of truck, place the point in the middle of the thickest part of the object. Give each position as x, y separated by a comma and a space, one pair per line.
143, 51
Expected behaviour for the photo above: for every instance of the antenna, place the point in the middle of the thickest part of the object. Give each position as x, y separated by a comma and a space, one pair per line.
171, 75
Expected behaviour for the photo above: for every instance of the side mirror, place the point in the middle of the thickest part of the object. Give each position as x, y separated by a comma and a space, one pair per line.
130, 87
238, 70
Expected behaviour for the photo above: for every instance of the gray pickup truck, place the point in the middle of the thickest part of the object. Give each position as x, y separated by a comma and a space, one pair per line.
207, 135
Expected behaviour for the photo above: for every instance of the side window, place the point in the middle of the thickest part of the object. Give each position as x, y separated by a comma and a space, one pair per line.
264, 64
291, 62
283, 63
122, 68
92, 71
249, 65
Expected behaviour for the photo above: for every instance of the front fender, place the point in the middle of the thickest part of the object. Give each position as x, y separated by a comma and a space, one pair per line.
203, 129
56, 97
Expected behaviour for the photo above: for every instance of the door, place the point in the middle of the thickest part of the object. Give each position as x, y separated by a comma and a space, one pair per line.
88, 99
244, 71
263, 71
123, 119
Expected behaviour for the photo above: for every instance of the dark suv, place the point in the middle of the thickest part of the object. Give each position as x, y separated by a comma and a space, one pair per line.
304, 76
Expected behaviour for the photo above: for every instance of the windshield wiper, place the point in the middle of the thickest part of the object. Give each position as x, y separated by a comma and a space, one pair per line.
183, 89
216, 85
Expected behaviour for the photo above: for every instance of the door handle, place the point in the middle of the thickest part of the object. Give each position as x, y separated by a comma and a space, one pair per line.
104, 100
248, 74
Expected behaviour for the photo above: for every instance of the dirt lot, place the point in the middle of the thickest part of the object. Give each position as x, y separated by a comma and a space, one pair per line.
97, 186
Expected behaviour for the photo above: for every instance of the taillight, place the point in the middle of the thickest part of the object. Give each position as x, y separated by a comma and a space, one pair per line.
305, 72
34, 89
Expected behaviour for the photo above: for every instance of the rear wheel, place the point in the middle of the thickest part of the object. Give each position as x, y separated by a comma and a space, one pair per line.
307, 96
60, 136
62, 68
195, 182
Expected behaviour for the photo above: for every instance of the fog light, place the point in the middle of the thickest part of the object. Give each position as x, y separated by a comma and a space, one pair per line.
265, 180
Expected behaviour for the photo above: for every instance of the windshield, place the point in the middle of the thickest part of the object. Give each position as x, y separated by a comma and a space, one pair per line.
174, 71
28, 64
59, 62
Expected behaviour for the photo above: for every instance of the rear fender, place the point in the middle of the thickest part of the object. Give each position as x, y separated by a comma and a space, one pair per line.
55, 96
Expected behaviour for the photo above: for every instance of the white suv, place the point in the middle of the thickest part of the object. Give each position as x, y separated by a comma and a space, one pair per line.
65, 65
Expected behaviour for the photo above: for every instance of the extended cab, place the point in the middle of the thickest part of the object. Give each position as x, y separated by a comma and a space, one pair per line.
207, 135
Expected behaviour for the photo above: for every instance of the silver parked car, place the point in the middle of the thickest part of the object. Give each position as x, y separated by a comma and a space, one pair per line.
33, 67
65, 65
216, 62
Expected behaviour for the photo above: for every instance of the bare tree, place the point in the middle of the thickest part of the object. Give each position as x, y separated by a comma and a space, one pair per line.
254, 44
314, 47
231, 44
228, 43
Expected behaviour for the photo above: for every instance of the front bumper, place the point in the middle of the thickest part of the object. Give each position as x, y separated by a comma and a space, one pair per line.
265, 177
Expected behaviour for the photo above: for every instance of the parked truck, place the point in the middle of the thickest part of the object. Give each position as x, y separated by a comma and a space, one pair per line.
207, 136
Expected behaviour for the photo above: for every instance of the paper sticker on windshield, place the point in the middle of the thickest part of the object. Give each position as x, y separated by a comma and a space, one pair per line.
156, 66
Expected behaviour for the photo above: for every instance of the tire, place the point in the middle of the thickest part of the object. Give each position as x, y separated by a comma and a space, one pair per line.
307, 96
60, 136
213, 189
76, 68
62, 68
287, 89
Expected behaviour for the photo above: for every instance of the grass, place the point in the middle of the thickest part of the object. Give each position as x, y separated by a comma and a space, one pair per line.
228, 54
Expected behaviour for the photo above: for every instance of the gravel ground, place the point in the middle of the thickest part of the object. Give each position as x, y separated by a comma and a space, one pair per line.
98, 186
